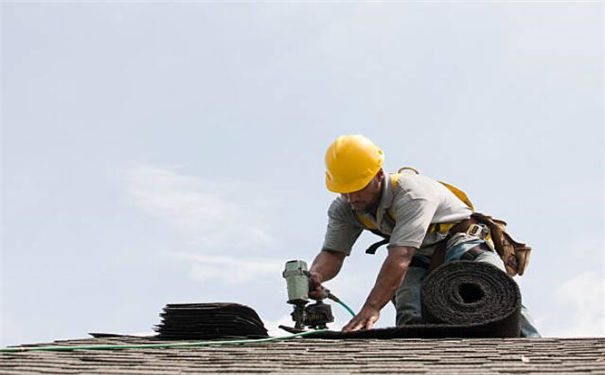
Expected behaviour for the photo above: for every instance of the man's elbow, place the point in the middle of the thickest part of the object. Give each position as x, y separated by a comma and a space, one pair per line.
401, 255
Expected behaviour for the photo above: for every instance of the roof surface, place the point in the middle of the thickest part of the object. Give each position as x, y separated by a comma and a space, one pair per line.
469, 356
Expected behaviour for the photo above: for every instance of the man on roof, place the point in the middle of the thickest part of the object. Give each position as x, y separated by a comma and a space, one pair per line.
423, 221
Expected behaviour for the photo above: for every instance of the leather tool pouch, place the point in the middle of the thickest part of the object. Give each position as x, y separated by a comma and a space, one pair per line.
514, 254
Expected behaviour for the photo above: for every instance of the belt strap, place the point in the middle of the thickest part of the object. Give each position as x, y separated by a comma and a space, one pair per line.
438, 255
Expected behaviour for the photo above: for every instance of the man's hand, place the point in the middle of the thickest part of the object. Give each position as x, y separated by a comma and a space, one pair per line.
364, 320
391, 275
325, 266
316, 290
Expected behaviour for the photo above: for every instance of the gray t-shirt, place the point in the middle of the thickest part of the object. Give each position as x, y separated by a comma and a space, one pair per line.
416, 201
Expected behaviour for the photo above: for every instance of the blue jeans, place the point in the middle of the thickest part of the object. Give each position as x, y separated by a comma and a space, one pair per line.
407, 299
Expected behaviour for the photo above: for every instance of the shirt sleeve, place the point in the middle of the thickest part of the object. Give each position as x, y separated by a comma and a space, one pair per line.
341, 233
413, 216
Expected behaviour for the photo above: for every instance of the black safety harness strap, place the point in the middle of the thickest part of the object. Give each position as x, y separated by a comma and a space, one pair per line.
373, 247
386, 238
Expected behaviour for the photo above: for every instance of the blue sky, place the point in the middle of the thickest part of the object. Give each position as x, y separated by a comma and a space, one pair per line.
155, 153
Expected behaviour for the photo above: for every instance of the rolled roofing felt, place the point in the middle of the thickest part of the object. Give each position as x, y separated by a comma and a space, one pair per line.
459, 299
209, 321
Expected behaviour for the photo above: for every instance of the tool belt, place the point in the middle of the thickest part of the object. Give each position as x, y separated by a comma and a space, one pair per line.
515, 255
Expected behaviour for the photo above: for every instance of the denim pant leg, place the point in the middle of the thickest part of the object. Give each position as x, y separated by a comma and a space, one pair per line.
528, 329
407, 299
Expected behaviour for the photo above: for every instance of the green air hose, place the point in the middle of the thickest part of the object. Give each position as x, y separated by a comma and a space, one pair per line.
346, 307
337, 300
147, 346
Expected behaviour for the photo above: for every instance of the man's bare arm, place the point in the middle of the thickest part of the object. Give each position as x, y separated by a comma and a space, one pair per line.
391, 275
326, 265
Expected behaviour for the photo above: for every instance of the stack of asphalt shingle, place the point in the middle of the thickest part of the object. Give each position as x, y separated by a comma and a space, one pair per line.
209, 321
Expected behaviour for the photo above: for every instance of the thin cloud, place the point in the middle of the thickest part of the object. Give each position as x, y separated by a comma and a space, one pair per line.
583, 296
206, 211
229, 269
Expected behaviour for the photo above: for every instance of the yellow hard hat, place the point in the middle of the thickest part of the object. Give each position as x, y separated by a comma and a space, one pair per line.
351, 163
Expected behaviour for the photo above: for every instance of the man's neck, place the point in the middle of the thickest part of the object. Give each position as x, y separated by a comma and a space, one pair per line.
373, 209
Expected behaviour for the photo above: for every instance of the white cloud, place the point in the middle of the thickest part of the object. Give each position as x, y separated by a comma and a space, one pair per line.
584, 296
211, 213
229, 269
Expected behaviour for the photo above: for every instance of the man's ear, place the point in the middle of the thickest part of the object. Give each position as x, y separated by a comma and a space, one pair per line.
380, 174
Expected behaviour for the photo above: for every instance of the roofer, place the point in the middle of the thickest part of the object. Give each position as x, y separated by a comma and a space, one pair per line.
423, 221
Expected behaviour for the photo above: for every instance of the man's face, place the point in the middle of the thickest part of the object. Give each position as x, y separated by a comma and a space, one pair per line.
366, 199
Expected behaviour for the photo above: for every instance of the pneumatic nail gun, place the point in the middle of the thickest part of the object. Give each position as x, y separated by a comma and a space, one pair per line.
314, 316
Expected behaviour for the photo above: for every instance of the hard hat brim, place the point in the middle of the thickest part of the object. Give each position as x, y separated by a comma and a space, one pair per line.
341, 188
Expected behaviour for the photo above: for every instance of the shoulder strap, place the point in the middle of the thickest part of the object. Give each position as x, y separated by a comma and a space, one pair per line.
457, 192
460, 194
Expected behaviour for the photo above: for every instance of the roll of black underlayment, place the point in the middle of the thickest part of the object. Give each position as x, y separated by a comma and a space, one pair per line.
193, 321
459, 299
475, 295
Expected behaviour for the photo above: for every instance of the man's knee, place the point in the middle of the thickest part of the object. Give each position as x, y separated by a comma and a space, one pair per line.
492, 258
